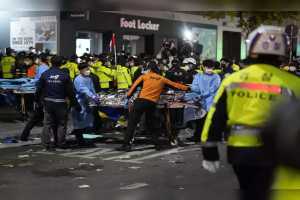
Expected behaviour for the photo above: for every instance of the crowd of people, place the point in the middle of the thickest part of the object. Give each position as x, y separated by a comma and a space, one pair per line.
237, 98
89, 75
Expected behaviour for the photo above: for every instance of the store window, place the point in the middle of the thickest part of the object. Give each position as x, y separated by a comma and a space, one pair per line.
133, 44
207, 40
37, 32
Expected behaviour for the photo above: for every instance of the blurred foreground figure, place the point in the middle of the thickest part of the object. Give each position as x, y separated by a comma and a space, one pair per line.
243, 105
282, 143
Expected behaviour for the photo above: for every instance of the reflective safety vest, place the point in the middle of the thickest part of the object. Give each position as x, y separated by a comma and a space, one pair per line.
133, 70
200, 71
217, 71
95, 67
105, 74
235, 67
286, 184
123, 77
72, 68
8, 63
250, 95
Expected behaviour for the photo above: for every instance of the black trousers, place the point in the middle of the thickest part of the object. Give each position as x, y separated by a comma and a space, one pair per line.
254, 181
36, 118
140, 107
55, 123
199, 127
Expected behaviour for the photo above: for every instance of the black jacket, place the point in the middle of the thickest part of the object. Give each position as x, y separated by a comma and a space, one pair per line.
55, 86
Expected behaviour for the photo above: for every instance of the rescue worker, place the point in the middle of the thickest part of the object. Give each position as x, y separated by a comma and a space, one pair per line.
189, 67
31, 71
54, 88
177, 74
38, 113
226, 67
282, 147
21, 67
8, 64
205, 86
123, 78
72, 67
42, 67
106, 75
83, 119
132, 64
152, 86
241, 107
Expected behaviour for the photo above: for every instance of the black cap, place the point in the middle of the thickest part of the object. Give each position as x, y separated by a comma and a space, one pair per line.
209, 63
83, 66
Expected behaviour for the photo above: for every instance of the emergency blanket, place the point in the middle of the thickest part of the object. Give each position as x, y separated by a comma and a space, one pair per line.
24, 85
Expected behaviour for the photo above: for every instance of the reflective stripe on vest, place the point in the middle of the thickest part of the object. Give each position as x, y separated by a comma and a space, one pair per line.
242, 136
55, 100
286, 185
274, 89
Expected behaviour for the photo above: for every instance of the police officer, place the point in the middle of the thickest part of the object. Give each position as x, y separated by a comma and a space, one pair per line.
242, 106
72, 67
8, 64
282, 146
54, 88
226, 66
189, 65
123, 77
106, 74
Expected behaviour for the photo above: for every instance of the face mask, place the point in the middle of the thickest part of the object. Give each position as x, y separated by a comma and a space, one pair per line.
131, 64
87, 73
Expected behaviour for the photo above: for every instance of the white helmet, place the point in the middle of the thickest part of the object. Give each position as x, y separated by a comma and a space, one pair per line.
270, 40
189, 60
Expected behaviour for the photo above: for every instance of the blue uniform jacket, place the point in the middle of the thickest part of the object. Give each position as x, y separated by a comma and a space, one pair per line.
85, 92
40, 70
206, 86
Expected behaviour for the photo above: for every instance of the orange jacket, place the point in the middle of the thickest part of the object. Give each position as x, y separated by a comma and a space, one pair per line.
153, 85
31, 71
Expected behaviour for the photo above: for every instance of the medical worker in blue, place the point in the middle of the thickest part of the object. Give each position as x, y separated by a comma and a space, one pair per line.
205, 86
88, 99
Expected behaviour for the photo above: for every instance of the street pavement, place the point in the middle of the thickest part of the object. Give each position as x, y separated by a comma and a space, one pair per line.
27, 172
30, 173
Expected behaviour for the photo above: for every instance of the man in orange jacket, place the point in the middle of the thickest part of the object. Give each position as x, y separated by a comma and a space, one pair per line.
152, 86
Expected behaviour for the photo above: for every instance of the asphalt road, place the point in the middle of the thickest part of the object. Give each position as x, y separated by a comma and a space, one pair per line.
101, 173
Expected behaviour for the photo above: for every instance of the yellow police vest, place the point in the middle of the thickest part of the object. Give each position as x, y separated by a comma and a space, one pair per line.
8, 63
235, 67
106, 75
72, 68
199, 71
286, 185
133, 70
251, 93
123, 77
217, 71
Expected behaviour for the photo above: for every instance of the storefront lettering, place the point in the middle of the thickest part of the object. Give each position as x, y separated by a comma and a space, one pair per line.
138, 24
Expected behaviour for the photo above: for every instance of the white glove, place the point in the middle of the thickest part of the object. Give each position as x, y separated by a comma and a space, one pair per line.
211, 166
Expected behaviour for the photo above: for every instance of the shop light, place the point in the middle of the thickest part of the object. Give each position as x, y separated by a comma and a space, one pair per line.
187, 35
